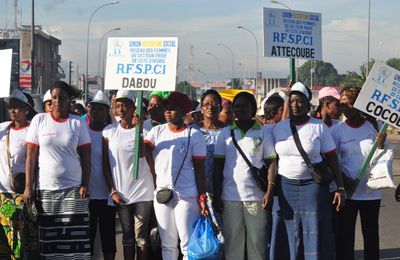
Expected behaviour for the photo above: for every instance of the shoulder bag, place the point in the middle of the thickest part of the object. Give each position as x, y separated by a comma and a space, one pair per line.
259, 175
164, 195
320, 172
17, 181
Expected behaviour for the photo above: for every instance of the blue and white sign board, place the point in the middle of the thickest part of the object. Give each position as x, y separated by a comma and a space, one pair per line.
292, 34
380, 94
141, 63
5, 72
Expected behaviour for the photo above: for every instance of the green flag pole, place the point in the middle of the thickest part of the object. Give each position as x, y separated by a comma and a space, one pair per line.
137, 136
367, 160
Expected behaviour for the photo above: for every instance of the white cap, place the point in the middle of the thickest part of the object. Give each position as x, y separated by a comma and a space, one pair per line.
47, 96
299, 87
261, 110
129, 94
17, 94
101, 98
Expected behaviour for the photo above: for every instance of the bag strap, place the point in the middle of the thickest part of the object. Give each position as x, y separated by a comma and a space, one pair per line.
8, 151
298, 144
184, 158
240, 150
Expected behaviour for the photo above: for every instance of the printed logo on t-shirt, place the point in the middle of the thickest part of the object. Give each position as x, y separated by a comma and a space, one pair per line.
257, 142
49, 134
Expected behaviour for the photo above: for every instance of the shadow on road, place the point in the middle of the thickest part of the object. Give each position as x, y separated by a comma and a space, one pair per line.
389, 253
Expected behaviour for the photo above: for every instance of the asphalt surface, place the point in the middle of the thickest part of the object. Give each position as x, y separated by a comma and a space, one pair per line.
389, 221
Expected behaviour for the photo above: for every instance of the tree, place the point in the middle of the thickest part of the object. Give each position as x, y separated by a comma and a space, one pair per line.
352, 78
325, 74
394, 63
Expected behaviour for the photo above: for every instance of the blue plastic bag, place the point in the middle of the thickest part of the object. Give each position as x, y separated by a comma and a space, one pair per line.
203, 244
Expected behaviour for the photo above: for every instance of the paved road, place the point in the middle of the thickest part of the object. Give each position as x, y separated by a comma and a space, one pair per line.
389, 221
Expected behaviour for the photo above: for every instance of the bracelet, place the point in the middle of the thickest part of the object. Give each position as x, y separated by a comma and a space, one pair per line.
340, 189
272, 183
112, 193
202, 198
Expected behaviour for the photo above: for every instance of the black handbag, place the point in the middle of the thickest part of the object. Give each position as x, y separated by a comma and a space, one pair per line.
17, 181
259, 175
320, 172
164, 195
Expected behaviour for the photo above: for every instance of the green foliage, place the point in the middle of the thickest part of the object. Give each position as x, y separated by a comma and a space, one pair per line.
394, 63
325, 74
352, 78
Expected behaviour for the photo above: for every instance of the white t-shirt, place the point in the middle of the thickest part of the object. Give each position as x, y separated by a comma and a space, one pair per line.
353, 146
17, 154
257, 144
121, 145
97, 185
169, 151
315, 137
59, 161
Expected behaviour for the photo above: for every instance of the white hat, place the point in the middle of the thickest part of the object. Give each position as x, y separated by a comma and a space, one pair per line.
47, 96
261, 110
129, 94
101, 98
299, 87
17, 94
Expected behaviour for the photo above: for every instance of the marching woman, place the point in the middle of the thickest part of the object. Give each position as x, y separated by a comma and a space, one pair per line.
61, 141
211, 127
354, 139
132, 197
101, 214
302, 204
18, 238
236, 192
179, 153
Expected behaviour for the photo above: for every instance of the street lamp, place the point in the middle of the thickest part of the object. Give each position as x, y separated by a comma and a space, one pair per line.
292, 69
206, 76
255, 38
233, 58
87, 47
101, 41
218, 63
279, 3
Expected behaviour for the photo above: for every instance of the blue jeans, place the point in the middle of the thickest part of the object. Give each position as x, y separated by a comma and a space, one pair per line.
135, 223
302, 215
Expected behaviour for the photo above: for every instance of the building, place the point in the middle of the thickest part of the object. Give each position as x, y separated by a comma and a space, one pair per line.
47, 60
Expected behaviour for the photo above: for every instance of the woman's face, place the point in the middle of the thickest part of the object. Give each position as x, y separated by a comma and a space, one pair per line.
17, 110
174, 114
47, 107
60, 100
125, 108
243, 109
226, 115
98, 113
299, 105
347, 107
210, 107
156, 107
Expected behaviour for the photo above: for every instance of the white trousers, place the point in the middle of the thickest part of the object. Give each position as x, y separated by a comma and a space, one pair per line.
176, 221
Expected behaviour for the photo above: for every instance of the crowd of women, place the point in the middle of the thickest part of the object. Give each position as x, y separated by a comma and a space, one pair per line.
193, 161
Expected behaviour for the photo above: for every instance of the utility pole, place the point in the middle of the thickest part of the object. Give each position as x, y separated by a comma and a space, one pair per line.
70, 72
33, 48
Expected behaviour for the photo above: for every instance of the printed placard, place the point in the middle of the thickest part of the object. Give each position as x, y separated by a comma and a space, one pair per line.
380, 94
292, 34
5, 72
141, 63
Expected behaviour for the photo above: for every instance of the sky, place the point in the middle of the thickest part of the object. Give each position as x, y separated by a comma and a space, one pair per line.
204, 24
